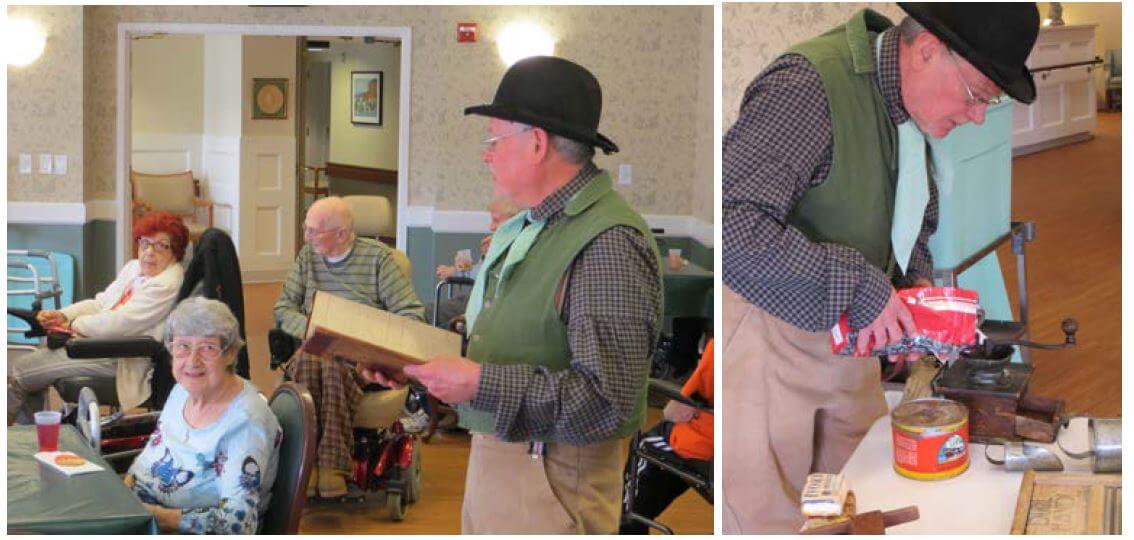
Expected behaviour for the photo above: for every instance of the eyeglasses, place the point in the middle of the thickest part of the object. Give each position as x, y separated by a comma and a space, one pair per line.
161, 246
308, 232
973, 99
490, 143
208, 351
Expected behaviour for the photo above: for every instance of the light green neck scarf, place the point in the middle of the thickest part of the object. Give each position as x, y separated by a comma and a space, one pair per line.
513, 239
911, 197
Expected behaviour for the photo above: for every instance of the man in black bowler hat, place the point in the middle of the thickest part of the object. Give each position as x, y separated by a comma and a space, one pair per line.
562, 319
828, 205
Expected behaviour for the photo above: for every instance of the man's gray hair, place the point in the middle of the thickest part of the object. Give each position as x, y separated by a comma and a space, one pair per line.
572, 151
909, 29
198, 316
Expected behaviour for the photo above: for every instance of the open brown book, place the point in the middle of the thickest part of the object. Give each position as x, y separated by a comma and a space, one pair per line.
370, 336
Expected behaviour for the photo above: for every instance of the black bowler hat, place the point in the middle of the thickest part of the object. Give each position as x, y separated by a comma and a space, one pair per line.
554, 94
995, 38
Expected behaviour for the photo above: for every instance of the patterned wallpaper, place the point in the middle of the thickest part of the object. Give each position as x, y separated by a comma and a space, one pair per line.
650, 61
755, 34
45, 107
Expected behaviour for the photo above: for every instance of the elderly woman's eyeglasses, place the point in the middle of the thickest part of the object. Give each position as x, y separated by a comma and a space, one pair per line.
208, 351
973, 99
490, 143
161, 246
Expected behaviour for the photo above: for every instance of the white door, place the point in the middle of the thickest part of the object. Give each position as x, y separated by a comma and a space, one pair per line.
267, 206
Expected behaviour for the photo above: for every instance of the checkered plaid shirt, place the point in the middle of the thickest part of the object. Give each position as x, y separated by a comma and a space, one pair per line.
612, 309
780, 147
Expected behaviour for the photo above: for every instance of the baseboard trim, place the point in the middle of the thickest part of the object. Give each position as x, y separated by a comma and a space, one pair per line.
263, 276
1053, 143
53, 213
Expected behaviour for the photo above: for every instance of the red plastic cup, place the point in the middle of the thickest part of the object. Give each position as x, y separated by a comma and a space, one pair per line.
47, 430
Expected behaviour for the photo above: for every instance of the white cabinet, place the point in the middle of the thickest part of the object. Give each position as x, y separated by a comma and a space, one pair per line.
1064, 110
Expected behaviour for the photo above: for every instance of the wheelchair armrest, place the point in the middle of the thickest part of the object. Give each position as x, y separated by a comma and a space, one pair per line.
669, 390
28, 316
459, 280
123, 347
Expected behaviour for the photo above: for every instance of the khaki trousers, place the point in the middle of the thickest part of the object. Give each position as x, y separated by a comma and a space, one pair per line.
791, 408
571, 490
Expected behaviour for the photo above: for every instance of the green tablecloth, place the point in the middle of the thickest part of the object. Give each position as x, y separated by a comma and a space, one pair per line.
688, 292
41, 500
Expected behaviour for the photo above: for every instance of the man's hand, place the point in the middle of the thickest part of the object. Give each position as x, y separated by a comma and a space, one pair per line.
445, 272
894, 323
48, 317
678, 412
451, 379
389, 379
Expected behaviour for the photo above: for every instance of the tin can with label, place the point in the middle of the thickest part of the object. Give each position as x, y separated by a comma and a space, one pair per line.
931, 439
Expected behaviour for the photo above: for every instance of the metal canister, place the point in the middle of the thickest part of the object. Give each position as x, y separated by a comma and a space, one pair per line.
931, 439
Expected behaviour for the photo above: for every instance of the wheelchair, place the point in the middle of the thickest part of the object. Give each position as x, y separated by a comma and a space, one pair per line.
213, 272
638, 453
386, 459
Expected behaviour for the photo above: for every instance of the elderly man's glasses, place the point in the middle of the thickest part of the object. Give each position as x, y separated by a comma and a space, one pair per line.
208, 351
308, 232
490, 143
973, 99
161, 246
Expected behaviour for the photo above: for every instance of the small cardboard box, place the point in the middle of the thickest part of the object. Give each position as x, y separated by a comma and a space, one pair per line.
340, 327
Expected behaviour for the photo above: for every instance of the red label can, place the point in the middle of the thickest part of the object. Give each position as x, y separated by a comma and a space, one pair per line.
931, 439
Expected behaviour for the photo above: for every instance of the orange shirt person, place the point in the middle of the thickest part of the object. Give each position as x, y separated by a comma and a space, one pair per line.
685, 435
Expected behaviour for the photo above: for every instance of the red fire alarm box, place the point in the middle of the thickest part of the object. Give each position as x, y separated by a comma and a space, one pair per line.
466, 32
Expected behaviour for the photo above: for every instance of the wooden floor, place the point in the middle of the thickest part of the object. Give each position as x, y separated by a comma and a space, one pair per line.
1074, 195
444, 460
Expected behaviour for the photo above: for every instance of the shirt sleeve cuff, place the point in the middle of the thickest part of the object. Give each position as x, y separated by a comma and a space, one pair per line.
495, 381
870, 298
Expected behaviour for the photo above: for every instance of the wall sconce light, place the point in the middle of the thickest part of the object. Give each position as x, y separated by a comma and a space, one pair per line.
23, 41
522, 39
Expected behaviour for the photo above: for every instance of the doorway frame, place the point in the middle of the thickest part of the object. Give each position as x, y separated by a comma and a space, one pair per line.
122, 158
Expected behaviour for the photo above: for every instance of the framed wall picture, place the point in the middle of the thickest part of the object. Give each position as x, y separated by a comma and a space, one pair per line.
366, 97
269, 99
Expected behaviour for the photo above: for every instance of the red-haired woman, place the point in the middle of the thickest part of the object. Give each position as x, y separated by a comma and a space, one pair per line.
135, 304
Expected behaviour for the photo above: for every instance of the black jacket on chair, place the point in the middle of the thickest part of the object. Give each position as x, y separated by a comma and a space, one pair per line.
214, 273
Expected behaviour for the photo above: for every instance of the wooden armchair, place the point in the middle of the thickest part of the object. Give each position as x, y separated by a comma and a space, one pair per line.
176, 193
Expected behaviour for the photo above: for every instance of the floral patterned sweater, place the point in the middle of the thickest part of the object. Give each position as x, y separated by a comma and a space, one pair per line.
221, 475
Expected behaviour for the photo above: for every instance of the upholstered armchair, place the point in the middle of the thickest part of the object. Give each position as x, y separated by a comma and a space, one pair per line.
175, 193
373, 217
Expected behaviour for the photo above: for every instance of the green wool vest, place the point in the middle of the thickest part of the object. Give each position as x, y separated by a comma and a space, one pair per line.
522, 324
854, 206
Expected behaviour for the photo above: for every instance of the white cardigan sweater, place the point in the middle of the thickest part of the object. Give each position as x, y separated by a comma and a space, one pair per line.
143, 314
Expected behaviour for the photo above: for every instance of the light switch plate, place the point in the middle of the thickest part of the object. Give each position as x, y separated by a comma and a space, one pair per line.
60, 164
25, 163
45, 164
624, 174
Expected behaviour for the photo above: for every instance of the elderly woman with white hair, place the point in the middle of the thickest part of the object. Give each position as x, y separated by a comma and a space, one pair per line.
210, 464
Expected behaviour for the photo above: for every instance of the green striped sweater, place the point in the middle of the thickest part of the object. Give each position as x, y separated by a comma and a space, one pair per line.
368, 275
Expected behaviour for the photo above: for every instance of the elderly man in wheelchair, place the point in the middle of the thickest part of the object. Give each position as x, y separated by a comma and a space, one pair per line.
336, 260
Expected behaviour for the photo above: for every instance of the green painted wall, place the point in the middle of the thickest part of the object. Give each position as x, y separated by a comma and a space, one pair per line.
91, 244
428, 249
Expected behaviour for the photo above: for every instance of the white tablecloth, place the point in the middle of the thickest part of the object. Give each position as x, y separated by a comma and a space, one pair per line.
982, 500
